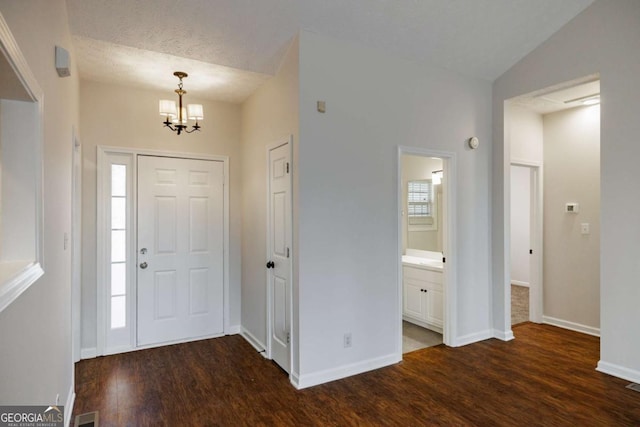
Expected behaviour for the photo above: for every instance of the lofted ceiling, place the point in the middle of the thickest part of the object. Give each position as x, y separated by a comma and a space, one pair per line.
230, 47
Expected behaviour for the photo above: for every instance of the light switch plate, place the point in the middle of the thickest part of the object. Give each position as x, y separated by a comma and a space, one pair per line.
584, 228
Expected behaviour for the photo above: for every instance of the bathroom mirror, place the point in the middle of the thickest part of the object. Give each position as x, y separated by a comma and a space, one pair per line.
422, 203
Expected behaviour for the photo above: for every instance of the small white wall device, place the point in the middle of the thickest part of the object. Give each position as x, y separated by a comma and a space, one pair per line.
474, 142
62, 62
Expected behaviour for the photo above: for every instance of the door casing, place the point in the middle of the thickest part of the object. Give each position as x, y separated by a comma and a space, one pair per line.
76, 246
102, 172
535, 236
450, 287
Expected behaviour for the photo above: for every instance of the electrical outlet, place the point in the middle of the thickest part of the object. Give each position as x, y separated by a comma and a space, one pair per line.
347, 340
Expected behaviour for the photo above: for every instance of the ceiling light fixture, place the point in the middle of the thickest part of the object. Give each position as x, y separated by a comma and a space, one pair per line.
586, 100
591, 101
176, 119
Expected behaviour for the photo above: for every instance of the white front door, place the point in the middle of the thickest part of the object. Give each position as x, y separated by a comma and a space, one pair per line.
279, 253
180, 249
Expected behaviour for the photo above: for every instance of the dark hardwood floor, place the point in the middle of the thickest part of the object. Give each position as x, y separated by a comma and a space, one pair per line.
545, 377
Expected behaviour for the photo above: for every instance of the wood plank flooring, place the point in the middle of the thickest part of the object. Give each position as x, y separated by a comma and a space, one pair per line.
545, 377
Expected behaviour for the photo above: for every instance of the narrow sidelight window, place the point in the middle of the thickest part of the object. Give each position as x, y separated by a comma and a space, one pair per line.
119, 232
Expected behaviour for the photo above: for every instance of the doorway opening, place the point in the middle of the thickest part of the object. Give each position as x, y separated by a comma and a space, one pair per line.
426, 273
526, 247
554, 220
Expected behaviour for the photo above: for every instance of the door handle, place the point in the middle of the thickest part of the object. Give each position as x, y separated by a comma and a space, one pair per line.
270, 264
143, 265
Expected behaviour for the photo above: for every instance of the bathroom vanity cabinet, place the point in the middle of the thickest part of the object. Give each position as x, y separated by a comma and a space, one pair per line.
423, 296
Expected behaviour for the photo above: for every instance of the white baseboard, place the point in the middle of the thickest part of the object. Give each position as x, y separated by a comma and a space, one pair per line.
255, 342
474, 337
294, 378
68, 406
234, 330
88, 353
619, 371
316, 378
519, 283
565, 324
503, 335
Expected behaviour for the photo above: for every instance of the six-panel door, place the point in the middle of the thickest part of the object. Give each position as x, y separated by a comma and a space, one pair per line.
180, 249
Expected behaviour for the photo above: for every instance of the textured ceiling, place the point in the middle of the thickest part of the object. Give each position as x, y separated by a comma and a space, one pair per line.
481, 38
111, 63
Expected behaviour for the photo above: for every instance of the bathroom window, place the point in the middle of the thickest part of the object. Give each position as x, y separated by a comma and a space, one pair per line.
420, 204
420, 198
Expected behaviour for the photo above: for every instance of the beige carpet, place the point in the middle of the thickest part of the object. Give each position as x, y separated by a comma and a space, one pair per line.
519, 304
415, 338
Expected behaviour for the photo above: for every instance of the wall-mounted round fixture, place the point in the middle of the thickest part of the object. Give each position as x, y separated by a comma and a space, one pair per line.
474, 142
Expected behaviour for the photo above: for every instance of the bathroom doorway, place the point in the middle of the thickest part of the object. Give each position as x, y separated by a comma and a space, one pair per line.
424, 197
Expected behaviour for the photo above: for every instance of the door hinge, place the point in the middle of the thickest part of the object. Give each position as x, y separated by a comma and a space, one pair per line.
288, 337
530, 251
287, 252
444, 260
287, 167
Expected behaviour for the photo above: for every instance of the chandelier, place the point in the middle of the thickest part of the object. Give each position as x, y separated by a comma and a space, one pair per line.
176, 118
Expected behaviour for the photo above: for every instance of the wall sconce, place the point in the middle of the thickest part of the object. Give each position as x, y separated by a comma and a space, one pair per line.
436, 177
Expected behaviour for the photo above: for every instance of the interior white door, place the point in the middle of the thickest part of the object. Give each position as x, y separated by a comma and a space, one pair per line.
180, 249
279, 248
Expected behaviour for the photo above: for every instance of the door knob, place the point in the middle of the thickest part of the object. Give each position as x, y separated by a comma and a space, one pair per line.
270, 264
143, 265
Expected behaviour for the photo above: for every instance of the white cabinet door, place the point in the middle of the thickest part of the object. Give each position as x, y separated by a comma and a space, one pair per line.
180, 249
423, 296
434, 312
413, 299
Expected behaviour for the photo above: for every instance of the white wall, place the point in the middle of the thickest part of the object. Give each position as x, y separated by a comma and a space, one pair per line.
603, 38
122, 116
35, 330
348, 232
524, 134
572, 174
269, 116
19, 138
524, 130
520, 224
